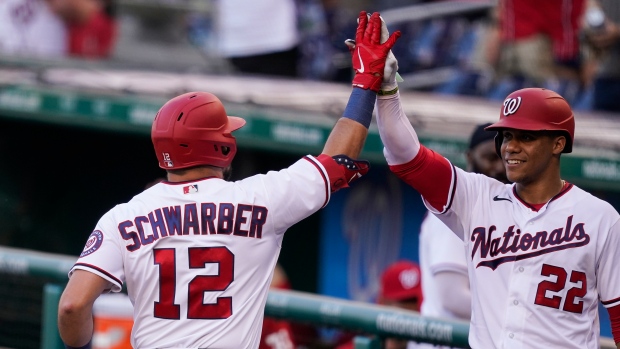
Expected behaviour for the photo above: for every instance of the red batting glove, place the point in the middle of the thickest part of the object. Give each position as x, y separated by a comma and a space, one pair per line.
369, 54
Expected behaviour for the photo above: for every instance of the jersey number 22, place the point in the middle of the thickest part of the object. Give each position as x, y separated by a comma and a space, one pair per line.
574, 293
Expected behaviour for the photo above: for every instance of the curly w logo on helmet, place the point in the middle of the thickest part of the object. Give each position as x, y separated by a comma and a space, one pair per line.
511, 105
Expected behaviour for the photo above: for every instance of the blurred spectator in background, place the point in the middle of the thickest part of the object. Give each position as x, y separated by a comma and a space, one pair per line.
259, 37
401, 287
31, 28
91, 26
602, 33
277, 334
445, 280
539, 40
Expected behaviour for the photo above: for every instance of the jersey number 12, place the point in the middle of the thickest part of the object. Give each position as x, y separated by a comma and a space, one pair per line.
165, 308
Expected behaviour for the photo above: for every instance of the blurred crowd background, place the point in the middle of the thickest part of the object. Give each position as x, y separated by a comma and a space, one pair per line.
477, 47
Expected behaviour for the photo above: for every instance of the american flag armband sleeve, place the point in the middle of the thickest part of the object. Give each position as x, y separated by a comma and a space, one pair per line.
342, 170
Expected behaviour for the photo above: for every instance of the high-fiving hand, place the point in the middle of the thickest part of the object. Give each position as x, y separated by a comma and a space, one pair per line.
369, 54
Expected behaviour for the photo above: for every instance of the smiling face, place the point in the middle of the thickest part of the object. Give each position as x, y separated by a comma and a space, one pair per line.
528, 155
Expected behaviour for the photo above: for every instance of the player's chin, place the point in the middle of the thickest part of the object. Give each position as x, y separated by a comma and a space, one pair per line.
514, 176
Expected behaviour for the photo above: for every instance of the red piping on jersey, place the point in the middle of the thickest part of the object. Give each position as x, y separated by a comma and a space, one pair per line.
120, 284
432, 176
186, 182
611, 301
535, 207
614, 317
324, 179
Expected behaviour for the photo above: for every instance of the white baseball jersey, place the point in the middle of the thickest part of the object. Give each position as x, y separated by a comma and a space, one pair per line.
536, 276
440, 250
198, 257
29, 27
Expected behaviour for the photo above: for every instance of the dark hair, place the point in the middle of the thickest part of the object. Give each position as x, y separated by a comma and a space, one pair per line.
557, 133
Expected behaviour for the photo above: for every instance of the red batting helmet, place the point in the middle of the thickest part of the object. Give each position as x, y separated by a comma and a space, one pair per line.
535, 109
193, 129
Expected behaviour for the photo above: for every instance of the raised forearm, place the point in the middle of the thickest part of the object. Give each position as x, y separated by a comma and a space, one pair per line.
347, 137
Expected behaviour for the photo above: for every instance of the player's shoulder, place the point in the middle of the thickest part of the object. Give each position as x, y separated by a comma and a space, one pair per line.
583, 198
301, 166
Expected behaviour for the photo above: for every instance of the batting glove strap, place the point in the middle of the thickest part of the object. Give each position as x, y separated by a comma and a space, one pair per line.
387, 90
367, 82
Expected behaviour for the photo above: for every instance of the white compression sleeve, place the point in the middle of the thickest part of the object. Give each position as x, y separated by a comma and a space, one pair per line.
401, 143
454, 293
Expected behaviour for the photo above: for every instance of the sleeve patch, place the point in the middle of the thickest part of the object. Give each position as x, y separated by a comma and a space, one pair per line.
93, 243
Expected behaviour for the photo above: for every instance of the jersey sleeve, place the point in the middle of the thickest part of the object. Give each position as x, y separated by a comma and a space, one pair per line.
457, 196
102, 254
608, 277
293, 193
448, 191
464, 201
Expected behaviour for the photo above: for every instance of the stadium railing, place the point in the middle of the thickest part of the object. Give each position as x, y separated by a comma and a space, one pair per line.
378, 321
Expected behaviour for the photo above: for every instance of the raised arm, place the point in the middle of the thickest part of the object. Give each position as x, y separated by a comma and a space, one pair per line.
368, 55
426, 171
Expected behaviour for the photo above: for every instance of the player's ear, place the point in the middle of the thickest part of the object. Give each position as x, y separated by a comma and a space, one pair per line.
559, 142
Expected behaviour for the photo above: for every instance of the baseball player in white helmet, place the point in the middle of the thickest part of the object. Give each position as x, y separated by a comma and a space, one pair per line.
541, 253
197, 252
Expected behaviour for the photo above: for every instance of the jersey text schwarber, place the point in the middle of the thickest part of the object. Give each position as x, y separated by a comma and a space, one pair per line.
210, 218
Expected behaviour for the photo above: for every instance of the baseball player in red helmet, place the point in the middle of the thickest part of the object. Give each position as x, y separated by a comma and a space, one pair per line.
541, 252
197, 252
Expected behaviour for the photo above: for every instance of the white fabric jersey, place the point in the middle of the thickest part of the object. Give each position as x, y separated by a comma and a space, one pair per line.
536, 276
247, 28
29, 27
440, 250
198, 257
